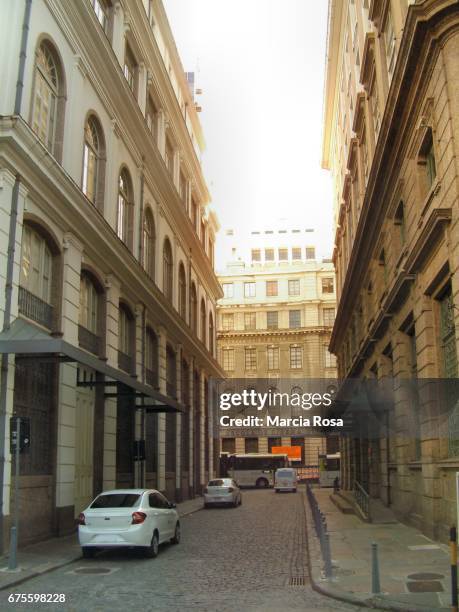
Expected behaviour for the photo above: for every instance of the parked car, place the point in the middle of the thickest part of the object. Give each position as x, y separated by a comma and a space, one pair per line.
285, 480
128, 517
222, 491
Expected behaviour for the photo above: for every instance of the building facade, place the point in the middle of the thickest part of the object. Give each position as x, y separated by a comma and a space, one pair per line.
274, 324
390, 140
108, 294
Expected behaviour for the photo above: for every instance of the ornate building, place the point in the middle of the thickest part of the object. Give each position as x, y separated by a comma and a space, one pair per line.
274, 324
107, 259
391, 141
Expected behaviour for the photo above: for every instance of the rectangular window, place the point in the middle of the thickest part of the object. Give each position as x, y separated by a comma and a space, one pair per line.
329, 316
250, 320
310, 253
229, 445
130, 68
272, 319
283, 254
228, 290
251, 445
273, 357
294, 319
228, 322
101, 11
150, 117
194, 213
169, 156
249, 290
182, 188
294, 286
269, 254
328, 285
296, 358
256, 255
296, 254
250, 359
228, 359
390, 44
271, 288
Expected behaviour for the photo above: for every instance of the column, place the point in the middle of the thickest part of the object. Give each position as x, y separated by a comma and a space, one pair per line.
191, 428
178, 427
161, 442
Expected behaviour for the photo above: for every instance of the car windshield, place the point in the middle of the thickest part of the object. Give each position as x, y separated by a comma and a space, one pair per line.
218, 483
284, 473
116, 500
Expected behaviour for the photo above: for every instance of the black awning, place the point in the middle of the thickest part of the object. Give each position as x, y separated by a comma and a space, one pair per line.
26, 340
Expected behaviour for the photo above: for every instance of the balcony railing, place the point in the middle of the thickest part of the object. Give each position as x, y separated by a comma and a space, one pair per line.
35, 308
151, 378
88, 340
125, 362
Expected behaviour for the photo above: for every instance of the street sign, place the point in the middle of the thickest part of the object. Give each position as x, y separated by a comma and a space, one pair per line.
24, 434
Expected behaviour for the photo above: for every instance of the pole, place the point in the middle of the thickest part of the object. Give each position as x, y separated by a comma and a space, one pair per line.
12, 559
453, 548
375, 583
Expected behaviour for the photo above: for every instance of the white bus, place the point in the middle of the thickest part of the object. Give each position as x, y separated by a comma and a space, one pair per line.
329, 469
252, 470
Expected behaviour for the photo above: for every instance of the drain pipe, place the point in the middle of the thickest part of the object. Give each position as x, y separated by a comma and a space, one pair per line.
10, 266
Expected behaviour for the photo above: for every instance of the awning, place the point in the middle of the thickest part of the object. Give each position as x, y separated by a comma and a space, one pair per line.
26, 340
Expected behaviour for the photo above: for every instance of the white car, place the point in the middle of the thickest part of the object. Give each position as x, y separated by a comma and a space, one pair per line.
128, 517
285, 480
222, 491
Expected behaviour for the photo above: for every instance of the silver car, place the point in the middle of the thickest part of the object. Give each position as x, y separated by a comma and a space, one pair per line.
222, 491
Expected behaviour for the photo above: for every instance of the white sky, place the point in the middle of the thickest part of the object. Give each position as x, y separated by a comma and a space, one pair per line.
260, 64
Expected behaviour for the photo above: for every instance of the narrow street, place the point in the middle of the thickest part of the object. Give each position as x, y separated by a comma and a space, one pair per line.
229, 559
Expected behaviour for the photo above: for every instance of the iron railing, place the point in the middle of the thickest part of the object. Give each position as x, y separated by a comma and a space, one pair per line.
362, 499
125, 362
320, 524
35, 308
88, 340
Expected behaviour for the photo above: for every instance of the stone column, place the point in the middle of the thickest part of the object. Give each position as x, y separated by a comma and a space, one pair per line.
112, 287
178, 427
191, 428
118, 31
161, 443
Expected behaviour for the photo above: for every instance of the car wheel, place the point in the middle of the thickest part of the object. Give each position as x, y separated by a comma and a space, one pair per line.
294, 490
152, 551
207, 506
176, 538
262, 483
88, 552
276, 490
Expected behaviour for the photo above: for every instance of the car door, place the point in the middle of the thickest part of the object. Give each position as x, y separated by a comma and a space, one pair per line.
170, 515
159, 515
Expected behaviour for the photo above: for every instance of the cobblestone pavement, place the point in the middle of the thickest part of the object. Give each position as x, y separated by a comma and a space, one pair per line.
230, 559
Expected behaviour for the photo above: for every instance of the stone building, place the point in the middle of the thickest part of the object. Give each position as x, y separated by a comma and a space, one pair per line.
274, 324
391, 142
108, 293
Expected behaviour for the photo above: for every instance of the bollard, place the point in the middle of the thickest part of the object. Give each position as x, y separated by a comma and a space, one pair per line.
12, 561
453, 548
327, 557
375, 583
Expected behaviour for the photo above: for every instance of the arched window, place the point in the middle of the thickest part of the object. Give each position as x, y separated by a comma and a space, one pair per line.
89, 315
151, 358
194, 309
211, 334
203, 321
36, 265
125, 339
48, 98
149, 244
125, 206
182, 291
93, 162
167, 269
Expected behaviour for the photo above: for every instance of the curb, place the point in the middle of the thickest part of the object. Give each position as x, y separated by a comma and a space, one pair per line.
341, 595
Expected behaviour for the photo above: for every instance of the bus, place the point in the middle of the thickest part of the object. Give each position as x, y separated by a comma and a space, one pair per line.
329, 469
253, 469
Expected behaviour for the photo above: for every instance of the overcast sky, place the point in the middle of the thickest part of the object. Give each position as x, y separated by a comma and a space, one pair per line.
260, 64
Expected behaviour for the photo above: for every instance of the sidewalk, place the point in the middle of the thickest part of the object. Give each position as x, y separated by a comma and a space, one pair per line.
403, 551
55, 553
